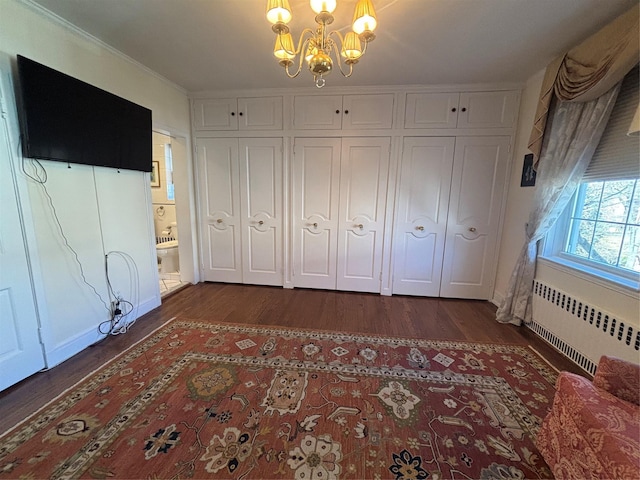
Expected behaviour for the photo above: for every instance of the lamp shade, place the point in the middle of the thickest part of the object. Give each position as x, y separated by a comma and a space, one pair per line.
351, 48
323, 5
283, 49
364, 17
278, 11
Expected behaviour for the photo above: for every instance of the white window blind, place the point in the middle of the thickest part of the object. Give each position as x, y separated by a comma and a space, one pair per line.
618, 155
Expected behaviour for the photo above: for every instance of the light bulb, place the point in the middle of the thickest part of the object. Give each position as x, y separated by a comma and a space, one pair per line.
364, 17
278, 11
323, 5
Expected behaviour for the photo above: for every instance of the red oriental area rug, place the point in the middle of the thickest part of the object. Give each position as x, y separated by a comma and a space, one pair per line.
196, 400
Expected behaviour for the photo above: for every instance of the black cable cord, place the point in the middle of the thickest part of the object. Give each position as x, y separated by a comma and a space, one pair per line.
40, 177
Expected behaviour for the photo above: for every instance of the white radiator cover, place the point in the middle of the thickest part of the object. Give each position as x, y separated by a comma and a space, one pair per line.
581, 331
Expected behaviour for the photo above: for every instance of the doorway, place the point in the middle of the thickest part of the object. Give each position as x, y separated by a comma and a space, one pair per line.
165, 217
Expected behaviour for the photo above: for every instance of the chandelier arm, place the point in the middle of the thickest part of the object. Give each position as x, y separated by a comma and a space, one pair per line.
338, 53
301, 44
302, 40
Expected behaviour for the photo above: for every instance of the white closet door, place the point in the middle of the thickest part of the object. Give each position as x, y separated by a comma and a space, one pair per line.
316, 178
21, 353
363, 190
477, 189
261, 207
219, 209
421, 219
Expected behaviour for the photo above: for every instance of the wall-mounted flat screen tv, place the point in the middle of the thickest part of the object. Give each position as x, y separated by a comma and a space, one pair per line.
65, 119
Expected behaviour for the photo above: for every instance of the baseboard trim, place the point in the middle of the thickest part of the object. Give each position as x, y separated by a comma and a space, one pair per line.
78, 343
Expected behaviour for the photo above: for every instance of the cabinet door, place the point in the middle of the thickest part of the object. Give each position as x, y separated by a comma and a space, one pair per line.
261, 207
421, 220
219, 209
477, 189
316, 178
260, 113
317, 112
367, 111
488, 109
215, 114
431, 110
364, 170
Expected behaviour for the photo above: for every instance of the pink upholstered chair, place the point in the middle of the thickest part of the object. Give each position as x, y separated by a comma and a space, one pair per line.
593, 428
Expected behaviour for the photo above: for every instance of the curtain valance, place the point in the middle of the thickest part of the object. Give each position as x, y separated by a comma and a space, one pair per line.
589, 70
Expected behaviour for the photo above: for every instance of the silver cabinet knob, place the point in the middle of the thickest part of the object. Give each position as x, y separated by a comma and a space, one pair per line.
472, 229
360, 226
421, 228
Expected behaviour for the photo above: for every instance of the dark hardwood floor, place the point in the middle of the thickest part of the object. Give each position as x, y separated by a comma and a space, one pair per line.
427, 318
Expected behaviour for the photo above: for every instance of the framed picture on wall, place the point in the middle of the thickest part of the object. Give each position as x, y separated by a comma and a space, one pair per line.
155, 174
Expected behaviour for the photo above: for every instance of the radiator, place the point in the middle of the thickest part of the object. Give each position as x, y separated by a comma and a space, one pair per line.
581, 331
165, 238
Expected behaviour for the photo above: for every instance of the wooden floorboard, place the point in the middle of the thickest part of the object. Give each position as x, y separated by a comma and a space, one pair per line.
416, 317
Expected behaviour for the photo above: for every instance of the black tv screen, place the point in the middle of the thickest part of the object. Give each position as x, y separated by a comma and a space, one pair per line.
65, 119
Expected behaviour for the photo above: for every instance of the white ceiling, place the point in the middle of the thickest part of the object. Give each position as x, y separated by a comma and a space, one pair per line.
204, 45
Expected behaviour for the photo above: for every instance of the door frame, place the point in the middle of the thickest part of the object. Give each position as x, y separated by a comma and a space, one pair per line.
184, 173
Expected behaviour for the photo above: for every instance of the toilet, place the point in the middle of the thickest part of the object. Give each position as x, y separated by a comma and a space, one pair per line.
167, 253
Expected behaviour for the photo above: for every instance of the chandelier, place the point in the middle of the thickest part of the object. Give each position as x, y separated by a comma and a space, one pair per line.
320, 45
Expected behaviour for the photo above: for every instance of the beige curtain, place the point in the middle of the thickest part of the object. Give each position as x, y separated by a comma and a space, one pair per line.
574, 132
589, 70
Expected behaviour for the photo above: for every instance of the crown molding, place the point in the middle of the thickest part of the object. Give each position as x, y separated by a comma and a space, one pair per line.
49, 15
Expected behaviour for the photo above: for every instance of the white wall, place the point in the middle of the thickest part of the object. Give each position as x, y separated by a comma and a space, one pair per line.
100, 210
519, 198
624, 305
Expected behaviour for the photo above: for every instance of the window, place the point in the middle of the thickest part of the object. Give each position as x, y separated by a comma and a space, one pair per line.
604, 225
168, 158
600, 232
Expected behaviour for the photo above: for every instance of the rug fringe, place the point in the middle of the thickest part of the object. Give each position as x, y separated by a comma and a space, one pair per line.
6, 432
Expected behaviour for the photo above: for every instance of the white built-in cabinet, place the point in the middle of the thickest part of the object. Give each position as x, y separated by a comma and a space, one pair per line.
462, 110
240, 183
347, 112
448, 212
251, 113
389, 192
339, 196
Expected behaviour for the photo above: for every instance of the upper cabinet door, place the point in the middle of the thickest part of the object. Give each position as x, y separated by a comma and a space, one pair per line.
367, 111
431, 110
317, 112
477, 189
363, 193
488, 109
215, 114
260, 113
